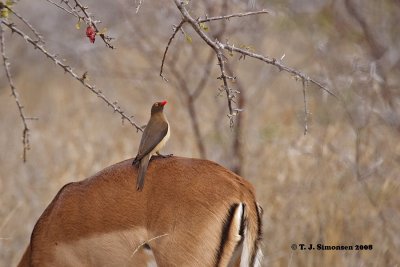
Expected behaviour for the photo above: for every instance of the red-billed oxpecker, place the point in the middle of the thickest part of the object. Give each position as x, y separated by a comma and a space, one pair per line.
154, 137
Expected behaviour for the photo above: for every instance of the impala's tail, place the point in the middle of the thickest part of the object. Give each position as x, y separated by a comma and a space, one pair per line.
252, 254
241, 236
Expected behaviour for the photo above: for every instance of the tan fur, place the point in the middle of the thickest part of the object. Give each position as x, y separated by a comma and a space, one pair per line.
100, 221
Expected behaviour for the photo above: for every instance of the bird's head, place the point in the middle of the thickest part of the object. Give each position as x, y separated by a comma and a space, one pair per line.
158, 107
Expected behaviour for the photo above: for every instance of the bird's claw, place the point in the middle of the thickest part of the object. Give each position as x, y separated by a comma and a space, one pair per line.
164, 156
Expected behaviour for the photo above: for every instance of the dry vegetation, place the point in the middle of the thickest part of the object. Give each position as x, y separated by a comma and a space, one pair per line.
338, 185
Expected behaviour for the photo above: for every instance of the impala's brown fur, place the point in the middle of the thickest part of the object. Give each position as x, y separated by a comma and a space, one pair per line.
100, 221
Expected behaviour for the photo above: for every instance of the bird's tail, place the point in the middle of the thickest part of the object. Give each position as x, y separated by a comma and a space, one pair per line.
144, 162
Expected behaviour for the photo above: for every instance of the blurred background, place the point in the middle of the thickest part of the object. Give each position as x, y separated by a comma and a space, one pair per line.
338, 185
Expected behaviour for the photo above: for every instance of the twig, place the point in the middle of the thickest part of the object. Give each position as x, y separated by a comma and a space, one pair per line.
63, 8
72, 8
81, 79
218, 48
145, 242
237, 15
224, 77
305, 107
218, 51
37, 34
25, 131
84, 16
138, 6
105, 38
277, 64
9, 217
177, 28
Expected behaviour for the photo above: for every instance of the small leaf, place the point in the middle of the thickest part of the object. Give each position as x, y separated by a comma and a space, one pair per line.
78, 25
4, 13
247, 47
103, 31
204, 26
188, 38
9, 3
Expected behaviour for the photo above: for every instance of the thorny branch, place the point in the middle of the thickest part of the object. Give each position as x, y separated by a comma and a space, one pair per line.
35, 32
303, 81
177, 28
224, 77
105, 38
236, 15
63, 8
219, 47
25, 131
138, 6
80, 11
276, 63
82, 79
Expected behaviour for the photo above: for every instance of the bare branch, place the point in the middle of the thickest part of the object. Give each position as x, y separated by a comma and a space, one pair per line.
145, 242
80, 12
138, 6
276, 63
177, 28
64, 9
305, 107
105, 38
218, 48
81, 79
7, 219
236, 15
238, 155
25, 131
37, 34
218, 51
224, 78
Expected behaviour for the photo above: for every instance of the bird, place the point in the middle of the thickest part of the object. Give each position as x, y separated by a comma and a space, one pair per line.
154, 137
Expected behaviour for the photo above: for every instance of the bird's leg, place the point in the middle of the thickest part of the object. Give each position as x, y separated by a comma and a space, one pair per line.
164, 156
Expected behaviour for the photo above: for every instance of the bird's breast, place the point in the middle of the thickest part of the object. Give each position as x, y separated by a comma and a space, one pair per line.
162, 143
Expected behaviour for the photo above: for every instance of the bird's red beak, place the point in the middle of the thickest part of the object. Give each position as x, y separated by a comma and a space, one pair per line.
163, 103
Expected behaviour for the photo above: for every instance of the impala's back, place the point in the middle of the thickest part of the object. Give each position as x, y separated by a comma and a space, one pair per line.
190, 213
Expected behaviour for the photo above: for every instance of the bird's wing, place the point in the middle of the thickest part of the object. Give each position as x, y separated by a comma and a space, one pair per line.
154, 132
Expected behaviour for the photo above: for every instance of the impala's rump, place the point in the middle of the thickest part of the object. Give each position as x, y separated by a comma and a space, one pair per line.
190, 213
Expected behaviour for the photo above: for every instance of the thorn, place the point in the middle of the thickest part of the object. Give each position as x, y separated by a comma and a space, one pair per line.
84, 76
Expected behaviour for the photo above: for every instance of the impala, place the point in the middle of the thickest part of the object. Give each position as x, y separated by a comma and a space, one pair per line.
190, 213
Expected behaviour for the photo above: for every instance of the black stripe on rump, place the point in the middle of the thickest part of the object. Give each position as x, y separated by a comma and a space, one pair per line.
225, 232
